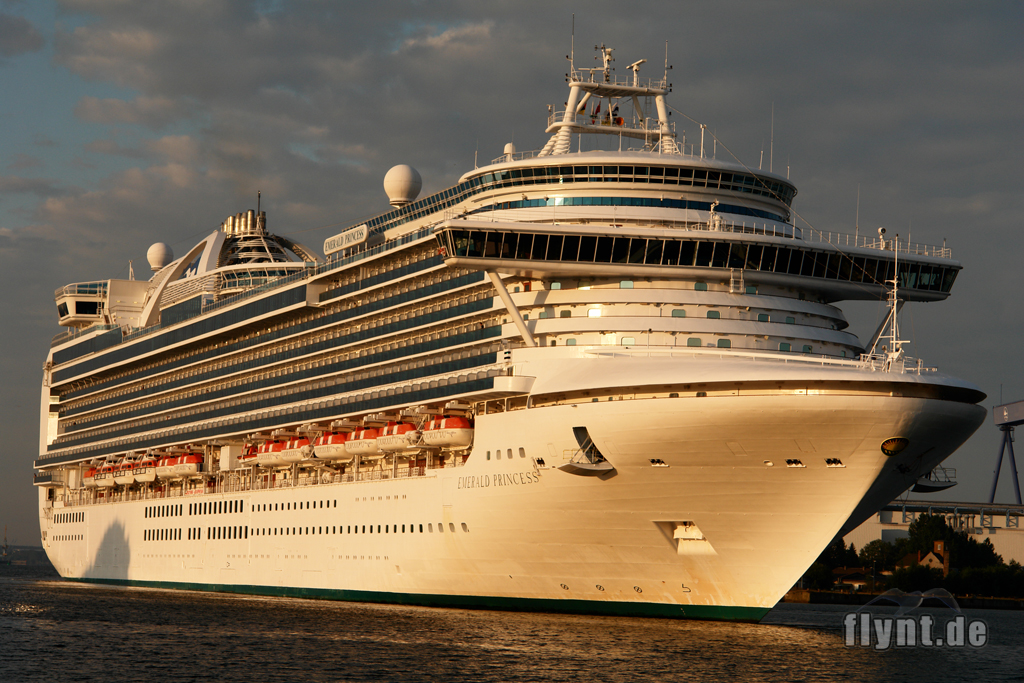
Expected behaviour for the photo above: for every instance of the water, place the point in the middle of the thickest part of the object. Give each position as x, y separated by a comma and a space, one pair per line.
62, 631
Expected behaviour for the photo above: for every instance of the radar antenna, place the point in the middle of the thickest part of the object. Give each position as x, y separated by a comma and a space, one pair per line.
635, 68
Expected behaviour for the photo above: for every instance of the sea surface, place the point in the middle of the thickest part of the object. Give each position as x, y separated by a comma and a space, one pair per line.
55, 630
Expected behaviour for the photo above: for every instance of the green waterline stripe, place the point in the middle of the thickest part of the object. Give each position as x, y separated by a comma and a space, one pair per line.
568, 606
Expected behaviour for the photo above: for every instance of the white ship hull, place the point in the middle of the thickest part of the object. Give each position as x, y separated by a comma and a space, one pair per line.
516, 534
648, 401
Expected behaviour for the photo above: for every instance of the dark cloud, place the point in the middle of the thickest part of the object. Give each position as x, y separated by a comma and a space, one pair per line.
914, 103
152, 112
18, 36
23, 161
43, 140
41, 187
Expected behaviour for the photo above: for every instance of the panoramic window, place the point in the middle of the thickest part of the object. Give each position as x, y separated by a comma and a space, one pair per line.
693, 341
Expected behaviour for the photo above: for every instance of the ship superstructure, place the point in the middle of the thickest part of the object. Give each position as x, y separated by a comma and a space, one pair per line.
611, 381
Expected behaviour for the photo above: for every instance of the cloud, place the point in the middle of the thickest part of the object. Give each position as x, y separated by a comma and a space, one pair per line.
41, 187
18, 36
113, 148
313, 104
23, 161
43, 140
153, 112
458, 37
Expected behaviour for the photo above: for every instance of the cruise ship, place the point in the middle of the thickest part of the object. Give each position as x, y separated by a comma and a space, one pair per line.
606, 376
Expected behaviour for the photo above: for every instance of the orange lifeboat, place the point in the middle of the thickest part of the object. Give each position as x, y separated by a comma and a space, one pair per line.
296, 450
269, 454
89, 478
248, 457
448, 432
331, 446
363, 442
165, 466
398, 436
105, 477
124, 473
188, 464
145, 471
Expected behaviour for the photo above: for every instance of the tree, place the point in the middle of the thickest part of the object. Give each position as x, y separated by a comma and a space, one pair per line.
838, 555
879, 554
964, 551
819, 577
916, 578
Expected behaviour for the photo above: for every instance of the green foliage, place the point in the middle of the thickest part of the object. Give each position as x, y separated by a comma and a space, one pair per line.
916, 578
838, 555
975, 568
1000, 581
880, 555
964, 551
819, 577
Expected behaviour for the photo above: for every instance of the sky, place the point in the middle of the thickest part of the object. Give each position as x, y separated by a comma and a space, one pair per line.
125, 123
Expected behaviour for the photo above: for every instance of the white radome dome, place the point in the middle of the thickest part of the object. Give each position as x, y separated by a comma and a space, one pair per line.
402, 184
159, 255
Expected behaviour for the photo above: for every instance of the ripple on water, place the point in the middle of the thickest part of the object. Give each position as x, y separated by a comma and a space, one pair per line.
52, 630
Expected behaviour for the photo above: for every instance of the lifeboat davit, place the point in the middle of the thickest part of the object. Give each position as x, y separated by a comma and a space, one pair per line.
398, 436
105, 477
124, 473
363, 442
188, 464
448, 432
145, 471
332, 447
269, 454
296, 450
89, 478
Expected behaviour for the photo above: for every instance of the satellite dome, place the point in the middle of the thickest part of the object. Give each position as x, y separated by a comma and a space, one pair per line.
402, 184
159, 255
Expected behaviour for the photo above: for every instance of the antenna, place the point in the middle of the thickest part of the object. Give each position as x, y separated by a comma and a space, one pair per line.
856, 220
572, 45
771, 149
666, 64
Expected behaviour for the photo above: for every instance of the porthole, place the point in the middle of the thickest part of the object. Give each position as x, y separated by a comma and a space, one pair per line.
637, 589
